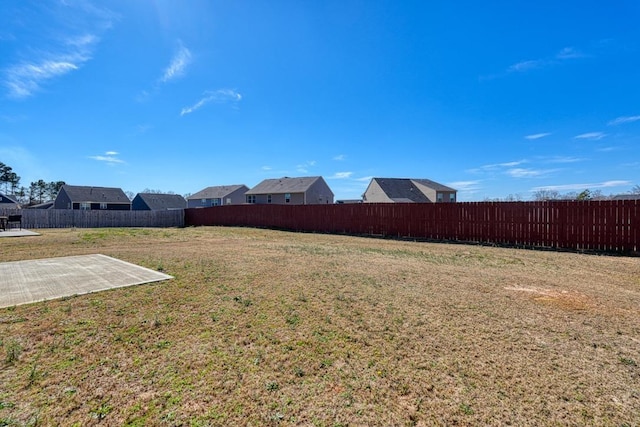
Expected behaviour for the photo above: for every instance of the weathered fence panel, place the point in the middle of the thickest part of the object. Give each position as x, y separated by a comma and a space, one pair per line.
607, 226
66, 218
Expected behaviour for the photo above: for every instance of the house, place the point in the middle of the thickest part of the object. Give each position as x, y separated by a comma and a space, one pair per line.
45, 205
158, 202
628, 196
8, 202
405, 190
311, 190
218, 196
91, 198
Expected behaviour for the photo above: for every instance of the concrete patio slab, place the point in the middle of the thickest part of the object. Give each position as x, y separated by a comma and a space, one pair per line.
24, 282
17, 233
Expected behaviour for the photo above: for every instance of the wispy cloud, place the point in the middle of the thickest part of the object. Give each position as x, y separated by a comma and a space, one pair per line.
527, 173
537, 135
523, 66
570, 53
220, 96
607, 149
465, 186
109, 157
364, 179
176, 69
304, 168
623, 120
497, 166
340, 157
26, 78
594, 136
512, 169
560, 159
565, 54
266, 168
63, 46
571, 187
341, 175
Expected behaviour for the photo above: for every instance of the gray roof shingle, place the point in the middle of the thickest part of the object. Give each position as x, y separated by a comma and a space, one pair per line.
434, 185
216, 192
405, 190
284, 185
401, 190
157, 201
79, 194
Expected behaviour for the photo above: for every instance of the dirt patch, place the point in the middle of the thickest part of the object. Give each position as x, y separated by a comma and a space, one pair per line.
566, 299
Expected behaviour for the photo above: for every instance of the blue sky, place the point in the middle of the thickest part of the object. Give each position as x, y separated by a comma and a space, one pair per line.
492, 98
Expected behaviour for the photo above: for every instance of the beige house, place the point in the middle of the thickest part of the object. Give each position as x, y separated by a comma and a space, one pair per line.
311, 190
406, 190
218, 195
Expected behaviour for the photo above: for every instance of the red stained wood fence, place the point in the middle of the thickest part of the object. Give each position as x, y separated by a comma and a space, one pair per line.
606, 226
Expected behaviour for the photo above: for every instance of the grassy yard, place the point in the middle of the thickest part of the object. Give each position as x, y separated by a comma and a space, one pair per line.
265, 327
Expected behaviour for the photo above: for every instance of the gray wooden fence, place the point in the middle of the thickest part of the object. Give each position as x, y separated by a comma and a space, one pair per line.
65, 218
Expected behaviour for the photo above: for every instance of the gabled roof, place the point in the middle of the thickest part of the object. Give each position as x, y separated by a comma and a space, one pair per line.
8, 199
433, 185
401, 190
406, 190
628, 196
45, 205
79, 194
157, 201
216, 192
284, 185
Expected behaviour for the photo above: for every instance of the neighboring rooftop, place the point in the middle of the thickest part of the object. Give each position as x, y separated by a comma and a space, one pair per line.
284, 185
158, 201
215, 192
628, 196
78, 193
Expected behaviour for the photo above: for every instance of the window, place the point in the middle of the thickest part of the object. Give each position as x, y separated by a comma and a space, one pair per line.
251, 198
452, 197
440, 197
203, 201
103, 206
287, 197
215, 202
85, 206
228, 200
269, 198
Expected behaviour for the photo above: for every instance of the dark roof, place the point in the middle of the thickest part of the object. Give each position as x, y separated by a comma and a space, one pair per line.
45, 205
626, 197
284, 185
158, 202
433, 185
216, 192
79, 194
405, 190
8, 199
401, 190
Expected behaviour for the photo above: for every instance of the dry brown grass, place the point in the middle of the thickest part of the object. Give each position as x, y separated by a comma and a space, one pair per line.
272, 328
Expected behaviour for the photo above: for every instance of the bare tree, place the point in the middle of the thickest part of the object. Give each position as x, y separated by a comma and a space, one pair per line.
151, 191
545, 194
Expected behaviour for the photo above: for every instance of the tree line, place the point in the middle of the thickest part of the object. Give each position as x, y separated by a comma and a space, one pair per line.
37, 192
550, 194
